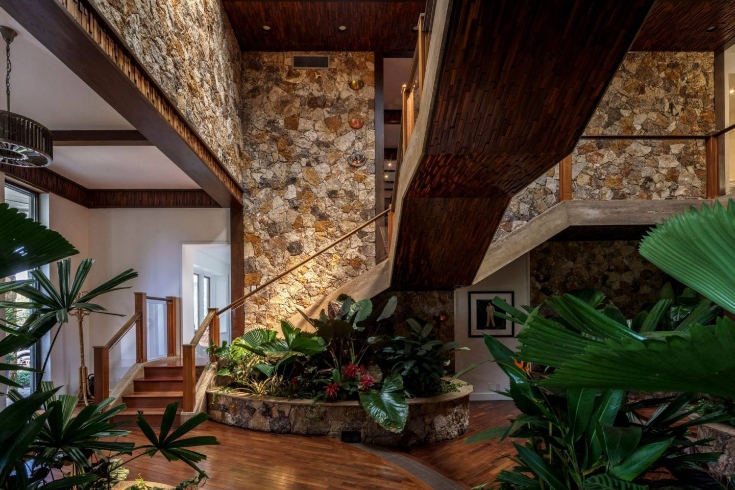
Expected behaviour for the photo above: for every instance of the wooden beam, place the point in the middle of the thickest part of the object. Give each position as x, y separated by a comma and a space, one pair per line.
74, 32
237, 269
380, 249
141, 328
565, 179
99, 138
46, 180
713, 171
150, 198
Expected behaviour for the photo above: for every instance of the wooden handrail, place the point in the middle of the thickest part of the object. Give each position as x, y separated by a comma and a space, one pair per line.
645, 137
122, 331
239, 302
205, 323
188, 356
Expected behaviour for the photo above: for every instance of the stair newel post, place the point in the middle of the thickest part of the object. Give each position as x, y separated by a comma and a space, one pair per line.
141, 328
172, 327
101, 372
565, 179
189, 369
214, 333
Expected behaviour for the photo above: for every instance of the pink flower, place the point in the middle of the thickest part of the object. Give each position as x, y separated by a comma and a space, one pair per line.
366, 382
351, 371
331, 390
294, 382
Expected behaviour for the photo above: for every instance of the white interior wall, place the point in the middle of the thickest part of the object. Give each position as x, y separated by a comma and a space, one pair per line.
488, 378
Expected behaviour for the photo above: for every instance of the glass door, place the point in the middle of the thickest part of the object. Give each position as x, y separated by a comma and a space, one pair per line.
26, 202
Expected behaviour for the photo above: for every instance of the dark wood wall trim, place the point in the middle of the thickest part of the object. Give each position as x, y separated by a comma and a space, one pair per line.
150, 198
100, 138
80, 37
237, 268
48, 181
380, 249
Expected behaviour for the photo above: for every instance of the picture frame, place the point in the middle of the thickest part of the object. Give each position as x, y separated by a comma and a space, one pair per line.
481, 319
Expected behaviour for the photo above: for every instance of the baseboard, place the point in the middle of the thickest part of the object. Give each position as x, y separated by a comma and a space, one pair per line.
484, 397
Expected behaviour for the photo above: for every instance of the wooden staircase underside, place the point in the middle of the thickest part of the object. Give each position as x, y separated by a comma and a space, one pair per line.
510, 88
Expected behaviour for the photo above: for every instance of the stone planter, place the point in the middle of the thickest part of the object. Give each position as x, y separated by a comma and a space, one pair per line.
724, 441
430, 420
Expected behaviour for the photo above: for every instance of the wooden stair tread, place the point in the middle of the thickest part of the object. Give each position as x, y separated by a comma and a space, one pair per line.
132, 412
154, 394
158, 380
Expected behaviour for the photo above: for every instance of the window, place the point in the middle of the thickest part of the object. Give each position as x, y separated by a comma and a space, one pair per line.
201, 289
205, 296
26, 202
195, 290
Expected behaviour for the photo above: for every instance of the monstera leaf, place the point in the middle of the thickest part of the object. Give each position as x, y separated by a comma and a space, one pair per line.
387, 407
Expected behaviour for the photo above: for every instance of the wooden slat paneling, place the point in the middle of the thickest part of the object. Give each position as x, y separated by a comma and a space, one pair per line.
149, 198
99, 138
313, 26
517, 83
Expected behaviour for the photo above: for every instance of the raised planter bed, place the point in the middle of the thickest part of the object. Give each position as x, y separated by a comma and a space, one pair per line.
430, 420
724, 441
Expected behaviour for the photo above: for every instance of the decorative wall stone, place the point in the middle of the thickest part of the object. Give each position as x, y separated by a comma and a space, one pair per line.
430, 420
190, 50
653, 93
614, 267
301, 192
530, 202
723, 440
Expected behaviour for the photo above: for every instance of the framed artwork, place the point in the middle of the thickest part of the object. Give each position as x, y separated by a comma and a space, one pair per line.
482, 314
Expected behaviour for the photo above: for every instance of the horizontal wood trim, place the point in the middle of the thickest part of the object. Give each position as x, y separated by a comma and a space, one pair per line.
99, 138
145, 198
74, 32
49, 181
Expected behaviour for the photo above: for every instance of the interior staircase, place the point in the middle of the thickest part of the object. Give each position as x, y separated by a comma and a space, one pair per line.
160, 385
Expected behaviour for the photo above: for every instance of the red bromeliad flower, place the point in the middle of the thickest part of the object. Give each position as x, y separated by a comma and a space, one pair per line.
331, 390
351, 371
366, 382
294, 382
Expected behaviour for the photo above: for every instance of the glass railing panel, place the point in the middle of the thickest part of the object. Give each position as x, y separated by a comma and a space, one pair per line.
122, 357
157, 328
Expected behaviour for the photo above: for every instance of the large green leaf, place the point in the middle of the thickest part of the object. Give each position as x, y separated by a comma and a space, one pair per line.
26, 244
580, 406
390, 307
540, 467
619, 441
388, 407
639, 460
698, 362
696, 248
607, 482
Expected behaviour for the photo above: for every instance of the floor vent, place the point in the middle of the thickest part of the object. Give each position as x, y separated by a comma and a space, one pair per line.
351, 436
313, 62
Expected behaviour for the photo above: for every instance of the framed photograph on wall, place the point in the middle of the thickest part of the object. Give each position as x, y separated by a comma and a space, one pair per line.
482, 314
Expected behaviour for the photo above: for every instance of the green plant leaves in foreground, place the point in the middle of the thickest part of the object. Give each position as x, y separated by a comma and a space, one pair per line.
387, 407
695, 248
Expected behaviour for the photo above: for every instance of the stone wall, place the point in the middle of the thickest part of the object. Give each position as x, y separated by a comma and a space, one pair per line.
614, 267
653, 93
301, 193
530, 202
190, 50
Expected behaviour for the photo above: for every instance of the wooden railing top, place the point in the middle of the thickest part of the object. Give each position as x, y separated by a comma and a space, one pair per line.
123, 330
240, 301
203, 327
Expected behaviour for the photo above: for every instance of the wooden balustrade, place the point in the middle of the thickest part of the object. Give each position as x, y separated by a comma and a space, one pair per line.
713, 168
565, 179
139, 319
188, 356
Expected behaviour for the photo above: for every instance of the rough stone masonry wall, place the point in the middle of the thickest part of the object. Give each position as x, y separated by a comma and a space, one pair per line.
653, 93
614, 267
301, 193
190, 50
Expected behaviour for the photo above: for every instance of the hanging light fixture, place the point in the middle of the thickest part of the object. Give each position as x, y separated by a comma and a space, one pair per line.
23, 141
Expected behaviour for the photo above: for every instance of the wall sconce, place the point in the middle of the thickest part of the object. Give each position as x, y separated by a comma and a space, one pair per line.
356, 123
357, 159
356, 83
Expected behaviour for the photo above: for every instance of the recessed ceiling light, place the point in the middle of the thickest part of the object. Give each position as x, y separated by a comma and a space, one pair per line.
266, 28
342, 28
711, 28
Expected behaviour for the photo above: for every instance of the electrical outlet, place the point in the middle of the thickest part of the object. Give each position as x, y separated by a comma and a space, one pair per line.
497, 386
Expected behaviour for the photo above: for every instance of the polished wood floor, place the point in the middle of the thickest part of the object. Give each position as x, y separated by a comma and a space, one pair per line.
472, 464
256, 460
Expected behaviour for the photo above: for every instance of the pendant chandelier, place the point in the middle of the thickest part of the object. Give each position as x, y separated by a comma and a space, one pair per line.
23, 141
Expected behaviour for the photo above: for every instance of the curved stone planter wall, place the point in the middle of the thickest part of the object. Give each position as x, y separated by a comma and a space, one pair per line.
724, 441
430, 420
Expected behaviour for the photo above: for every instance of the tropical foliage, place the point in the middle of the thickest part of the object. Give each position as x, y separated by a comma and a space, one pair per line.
345, 358
46, 446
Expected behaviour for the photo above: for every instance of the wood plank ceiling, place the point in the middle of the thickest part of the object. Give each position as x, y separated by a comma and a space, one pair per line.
517, 84
676, 25
314, 26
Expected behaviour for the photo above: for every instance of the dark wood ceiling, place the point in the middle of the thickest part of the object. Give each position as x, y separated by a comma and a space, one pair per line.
681, 25
313, 25
517, 84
